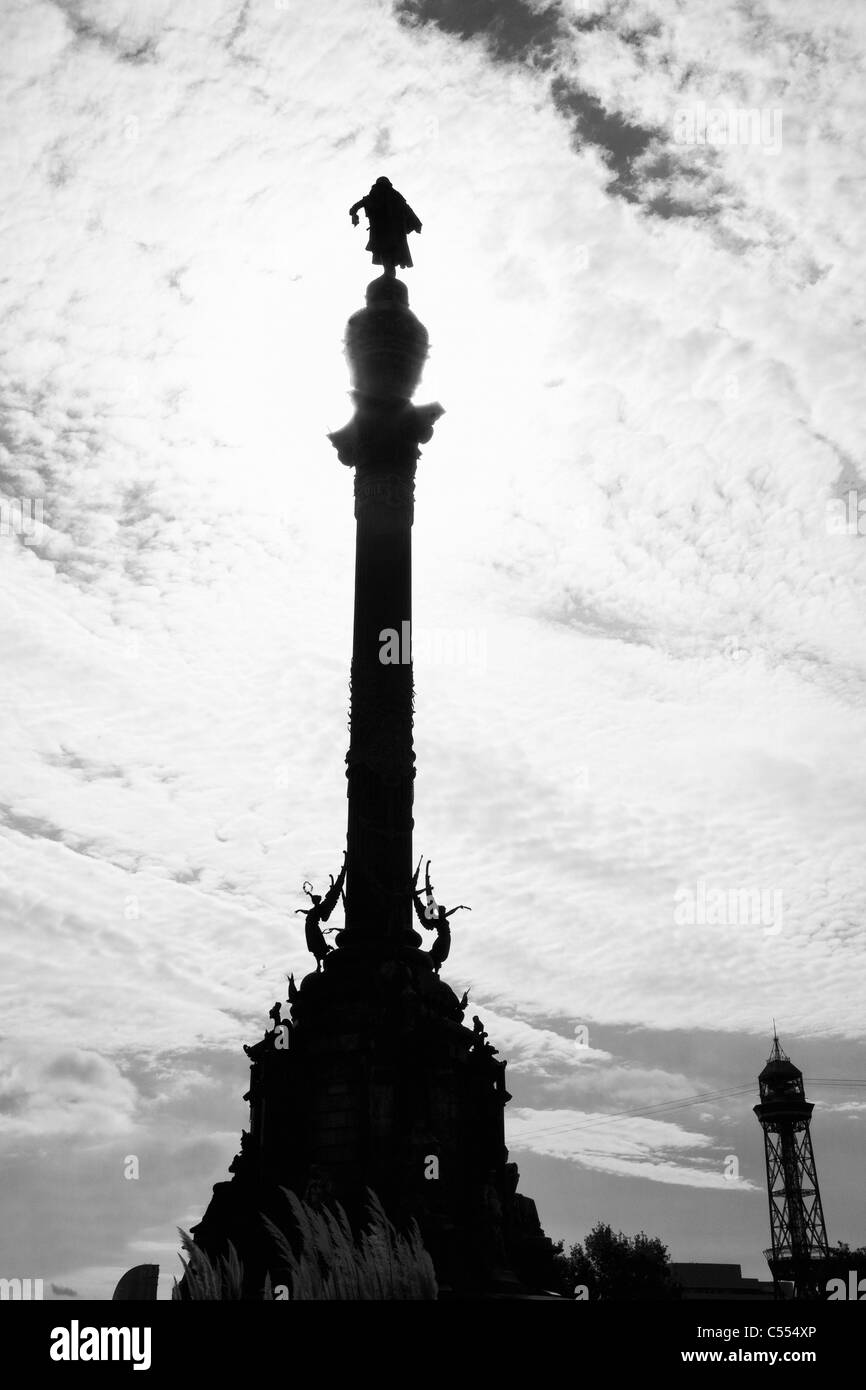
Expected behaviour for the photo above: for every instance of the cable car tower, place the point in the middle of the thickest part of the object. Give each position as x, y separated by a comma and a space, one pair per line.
799, 1249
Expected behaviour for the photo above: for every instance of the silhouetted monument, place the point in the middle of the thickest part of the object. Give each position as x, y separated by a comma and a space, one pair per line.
434, 918
321, 910
391, 220
375, 1077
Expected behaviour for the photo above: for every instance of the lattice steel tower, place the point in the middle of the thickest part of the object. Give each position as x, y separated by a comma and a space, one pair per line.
799, 1247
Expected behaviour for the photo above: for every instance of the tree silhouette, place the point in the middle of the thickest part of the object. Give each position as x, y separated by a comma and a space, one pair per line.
611, 1265
845, 1259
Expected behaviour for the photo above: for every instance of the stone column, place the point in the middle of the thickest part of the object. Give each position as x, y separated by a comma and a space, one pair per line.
386, 347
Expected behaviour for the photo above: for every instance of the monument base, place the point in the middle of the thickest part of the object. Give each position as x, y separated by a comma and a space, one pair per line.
375, 1083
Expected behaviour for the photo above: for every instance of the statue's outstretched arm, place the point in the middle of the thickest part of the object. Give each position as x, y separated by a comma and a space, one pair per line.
341, 876
332, 897
329, 901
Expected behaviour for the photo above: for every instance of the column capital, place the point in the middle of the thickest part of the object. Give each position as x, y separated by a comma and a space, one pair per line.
384, 436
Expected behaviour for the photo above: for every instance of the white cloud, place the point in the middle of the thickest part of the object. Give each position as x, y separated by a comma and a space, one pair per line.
53, 1090
628, 1146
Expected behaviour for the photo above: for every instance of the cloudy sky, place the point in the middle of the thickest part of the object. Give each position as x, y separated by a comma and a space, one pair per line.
638, 573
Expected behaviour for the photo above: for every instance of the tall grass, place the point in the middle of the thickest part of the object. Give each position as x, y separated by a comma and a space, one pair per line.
205, 1278
325, 1260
